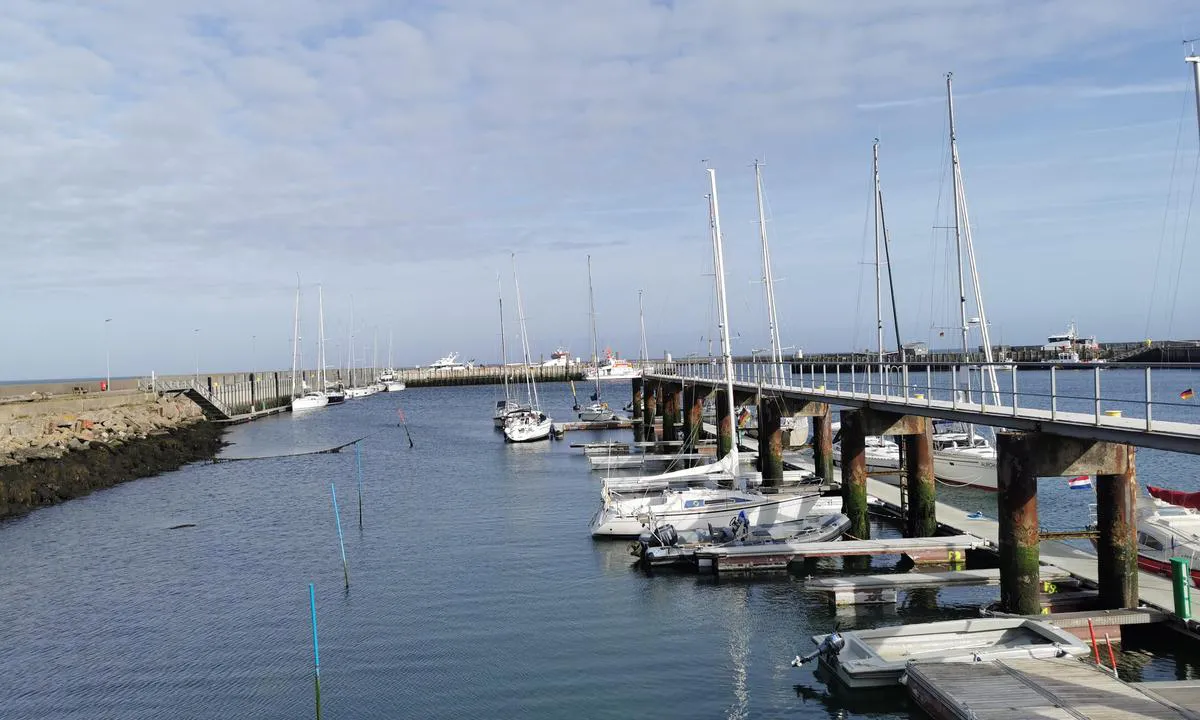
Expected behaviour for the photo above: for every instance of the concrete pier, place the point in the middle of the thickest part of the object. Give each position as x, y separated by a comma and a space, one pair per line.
822, 444
638, 435
670, 410
854, 474
724, 425
1116, 505
649, 409
922, 488
1018, 534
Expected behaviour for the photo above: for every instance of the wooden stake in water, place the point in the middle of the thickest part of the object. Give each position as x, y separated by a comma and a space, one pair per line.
358, 464
312, 604
341, 541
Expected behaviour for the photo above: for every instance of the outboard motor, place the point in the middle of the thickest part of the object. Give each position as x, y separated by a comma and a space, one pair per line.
740, 526
829, 648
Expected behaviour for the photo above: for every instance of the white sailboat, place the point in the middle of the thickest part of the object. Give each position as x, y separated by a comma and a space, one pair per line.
508, 405
597, 410
529, 424
768, 280
355, 391
388, 377
628, 503
310, 399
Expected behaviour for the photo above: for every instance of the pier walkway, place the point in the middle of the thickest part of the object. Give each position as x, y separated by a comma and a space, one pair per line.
1128, 418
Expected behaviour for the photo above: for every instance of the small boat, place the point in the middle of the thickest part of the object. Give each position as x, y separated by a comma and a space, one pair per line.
335, 393
597, 410
877, 658
393, 385
527, 424
362, 391
1168, 526
691, 508
664, 546
310, 400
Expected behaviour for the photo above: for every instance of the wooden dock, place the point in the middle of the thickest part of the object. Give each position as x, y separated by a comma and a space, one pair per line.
1046, 689
777, 556
882, 589
618, 424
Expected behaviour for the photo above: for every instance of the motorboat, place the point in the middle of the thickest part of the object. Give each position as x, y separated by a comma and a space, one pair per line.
1070, 341
393, 385
335, 393
598, 411
1168, 530
559, 358
863, 659
527, 426
361, 391
664, 546
612, 368
449, 362
310, 400
691, 508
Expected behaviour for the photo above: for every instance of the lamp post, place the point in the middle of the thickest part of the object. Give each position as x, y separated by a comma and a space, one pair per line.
107, 357
196, 344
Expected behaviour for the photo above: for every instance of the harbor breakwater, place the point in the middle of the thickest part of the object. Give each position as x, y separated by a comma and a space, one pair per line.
58, 449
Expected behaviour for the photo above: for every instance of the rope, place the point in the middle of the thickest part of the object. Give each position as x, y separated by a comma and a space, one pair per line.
325, 451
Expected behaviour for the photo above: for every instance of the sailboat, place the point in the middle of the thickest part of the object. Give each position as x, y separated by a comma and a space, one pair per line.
529, 424
311, 399
597, 410
508, 405
355, 391
629, 506
388, 377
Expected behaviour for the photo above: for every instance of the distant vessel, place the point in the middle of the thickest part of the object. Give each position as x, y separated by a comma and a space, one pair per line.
1070, 341
528, 424
597, 410
613, 368
450, 362
558, 358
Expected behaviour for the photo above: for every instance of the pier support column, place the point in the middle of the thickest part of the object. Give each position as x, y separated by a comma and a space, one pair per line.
854, 474
637, 408
822, 444
724, 425
1017, 504
770, 440
922, 489
1116, 505
649, 409
670, 411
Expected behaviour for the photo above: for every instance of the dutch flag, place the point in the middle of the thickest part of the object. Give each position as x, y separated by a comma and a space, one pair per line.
1081, 482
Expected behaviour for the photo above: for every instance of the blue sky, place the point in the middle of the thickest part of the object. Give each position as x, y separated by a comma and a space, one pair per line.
173, 165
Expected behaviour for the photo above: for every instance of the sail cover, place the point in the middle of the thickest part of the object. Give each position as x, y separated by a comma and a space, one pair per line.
1176, 497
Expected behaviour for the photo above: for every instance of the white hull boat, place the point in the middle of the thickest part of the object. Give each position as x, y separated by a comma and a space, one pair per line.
597, 412
877, 658
393, 385
667, 547
359, 392
1166, 531
527, 426
698, 507
612, 369
310, 401
964, 458
505, 408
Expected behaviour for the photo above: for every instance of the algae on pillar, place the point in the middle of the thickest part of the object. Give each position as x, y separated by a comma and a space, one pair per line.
922, 488
1116, 506
670, 411
636, 405
649, 409
1016, 471
724, 425
854, 474
770, 440
822, 444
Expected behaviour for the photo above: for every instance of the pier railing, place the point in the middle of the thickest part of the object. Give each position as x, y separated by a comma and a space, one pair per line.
1150, 398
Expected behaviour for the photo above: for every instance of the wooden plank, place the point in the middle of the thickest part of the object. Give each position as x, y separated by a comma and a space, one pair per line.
837, 548
908, 580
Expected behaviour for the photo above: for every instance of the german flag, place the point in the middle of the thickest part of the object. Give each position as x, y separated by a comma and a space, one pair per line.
1187, 394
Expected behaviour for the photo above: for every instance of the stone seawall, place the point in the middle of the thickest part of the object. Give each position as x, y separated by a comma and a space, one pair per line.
55, 450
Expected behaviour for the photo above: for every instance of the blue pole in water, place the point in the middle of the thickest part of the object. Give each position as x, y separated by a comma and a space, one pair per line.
312, 604
358, 463
341, 542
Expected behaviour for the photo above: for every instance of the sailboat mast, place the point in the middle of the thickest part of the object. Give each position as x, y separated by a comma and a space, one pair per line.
1195, 61
878, 277
503, 342
887, 260
958, 227
350, 344
768, 279
296, 337
960, 207
645, 351
530, 387
595, 340
321, 338
722, 308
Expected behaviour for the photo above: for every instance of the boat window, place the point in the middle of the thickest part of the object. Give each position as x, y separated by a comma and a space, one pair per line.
1149, 541
693, 503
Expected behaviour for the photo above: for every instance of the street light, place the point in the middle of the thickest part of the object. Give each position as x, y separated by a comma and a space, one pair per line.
107, 357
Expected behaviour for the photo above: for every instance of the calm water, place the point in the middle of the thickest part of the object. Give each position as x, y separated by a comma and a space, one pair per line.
475, 588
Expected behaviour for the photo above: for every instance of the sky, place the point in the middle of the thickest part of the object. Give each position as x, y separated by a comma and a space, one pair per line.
167, 169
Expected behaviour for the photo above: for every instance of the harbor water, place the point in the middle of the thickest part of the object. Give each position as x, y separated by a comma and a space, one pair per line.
475, 589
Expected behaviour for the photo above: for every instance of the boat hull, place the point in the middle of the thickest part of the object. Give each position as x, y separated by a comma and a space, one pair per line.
309, 402
393, 386
517, 430
612, 521
965, 469
596, 414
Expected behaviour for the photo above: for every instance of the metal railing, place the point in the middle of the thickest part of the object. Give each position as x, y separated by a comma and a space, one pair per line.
1109, 394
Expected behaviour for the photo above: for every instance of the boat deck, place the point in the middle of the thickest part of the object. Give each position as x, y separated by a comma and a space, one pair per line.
777, 556
1039, 688
882, 589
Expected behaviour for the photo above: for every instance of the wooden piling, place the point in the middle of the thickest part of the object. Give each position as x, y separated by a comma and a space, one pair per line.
1116, 515
670, 411
649, 409
854, 474
822, 443
637, 408
1018, 523
770, 440
724, 425
922, 488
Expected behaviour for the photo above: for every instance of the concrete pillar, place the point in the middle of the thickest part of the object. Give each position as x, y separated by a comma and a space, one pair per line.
1116, 505
922, 489
670, 410
822, 443
724, 425
1017, 506
691, 426
854, 474
770, 440
637, 408
649, 409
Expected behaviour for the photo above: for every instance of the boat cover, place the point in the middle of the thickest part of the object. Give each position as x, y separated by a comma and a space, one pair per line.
1176, 497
